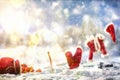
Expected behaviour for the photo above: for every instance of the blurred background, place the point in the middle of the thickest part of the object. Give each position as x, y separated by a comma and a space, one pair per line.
31, 28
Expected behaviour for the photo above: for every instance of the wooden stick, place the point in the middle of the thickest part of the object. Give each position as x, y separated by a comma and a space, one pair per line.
52, 70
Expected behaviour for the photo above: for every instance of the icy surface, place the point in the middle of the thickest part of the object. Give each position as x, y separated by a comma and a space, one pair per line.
86, 71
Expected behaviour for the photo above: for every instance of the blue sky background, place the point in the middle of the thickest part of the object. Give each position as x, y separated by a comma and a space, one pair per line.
100, 9
34, 14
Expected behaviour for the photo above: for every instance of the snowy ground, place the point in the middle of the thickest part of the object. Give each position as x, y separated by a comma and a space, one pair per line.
68, 23
97, 70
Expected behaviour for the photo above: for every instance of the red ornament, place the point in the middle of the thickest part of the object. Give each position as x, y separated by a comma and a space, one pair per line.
26, 69
9, 65
111, 31
74, 61
38, 70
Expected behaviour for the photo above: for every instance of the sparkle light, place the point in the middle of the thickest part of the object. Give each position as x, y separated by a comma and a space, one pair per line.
13, 20
12, 16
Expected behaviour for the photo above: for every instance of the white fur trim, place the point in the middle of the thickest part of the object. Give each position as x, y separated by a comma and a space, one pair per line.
100, 36
89, 39
97, 44
104, 56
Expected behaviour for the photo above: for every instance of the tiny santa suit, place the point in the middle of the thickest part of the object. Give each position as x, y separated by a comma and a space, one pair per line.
96, 44
100, 41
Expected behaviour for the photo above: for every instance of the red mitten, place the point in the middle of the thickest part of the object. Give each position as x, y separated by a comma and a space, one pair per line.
77, 56
9, 65
74, 61
70, 59
111, 31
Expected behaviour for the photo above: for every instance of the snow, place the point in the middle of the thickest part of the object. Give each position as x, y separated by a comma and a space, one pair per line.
60, 26
86, 71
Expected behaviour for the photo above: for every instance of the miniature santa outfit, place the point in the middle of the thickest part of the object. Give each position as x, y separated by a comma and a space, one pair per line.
96, 44
100, 44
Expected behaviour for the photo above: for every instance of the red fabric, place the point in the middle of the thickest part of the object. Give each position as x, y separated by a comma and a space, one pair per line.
102, 47
9, 65
74, 61
91, 45
110, 29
